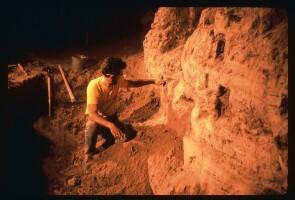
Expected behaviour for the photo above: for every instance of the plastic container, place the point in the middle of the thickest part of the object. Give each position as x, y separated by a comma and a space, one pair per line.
78, 62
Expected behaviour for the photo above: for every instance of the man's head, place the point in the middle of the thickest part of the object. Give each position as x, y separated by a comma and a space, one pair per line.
111, 65
112, 68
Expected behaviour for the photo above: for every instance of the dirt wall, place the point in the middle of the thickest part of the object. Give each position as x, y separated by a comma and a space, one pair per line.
227, 94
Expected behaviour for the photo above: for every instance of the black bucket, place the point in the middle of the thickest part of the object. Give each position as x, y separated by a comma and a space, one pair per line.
78, 62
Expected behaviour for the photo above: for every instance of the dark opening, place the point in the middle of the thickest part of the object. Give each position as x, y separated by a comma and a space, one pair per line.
206, 80
232, 17
220, 49
281, 141
222, 100
284, 105
26, 147
209, 20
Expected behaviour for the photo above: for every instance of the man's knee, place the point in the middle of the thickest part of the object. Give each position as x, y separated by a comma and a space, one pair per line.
90, 127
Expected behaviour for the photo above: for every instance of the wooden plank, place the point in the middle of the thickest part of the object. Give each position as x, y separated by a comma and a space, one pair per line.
49, 95
22, 69
72, 97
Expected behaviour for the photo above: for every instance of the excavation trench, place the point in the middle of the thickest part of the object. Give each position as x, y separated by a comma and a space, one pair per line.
27, 102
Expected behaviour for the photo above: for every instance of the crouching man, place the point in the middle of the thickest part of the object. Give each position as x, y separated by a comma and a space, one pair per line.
101, 110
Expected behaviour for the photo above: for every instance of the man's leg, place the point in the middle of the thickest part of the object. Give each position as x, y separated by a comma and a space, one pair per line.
90, 137
93, 134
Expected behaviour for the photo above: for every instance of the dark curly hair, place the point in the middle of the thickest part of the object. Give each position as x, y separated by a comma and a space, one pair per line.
112, 65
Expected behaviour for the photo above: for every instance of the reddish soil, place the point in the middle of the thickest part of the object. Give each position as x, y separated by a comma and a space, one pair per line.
121, 168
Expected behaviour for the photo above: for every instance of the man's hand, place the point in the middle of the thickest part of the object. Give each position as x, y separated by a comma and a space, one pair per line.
160, 81
117, 133
98, 118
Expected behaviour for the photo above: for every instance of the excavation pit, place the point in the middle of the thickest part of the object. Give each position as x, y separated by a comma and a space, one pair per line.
27, 101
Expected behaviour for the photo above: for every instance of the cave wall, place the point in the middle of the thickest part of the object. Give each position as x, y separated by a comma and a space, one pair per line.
226, 94
163, 46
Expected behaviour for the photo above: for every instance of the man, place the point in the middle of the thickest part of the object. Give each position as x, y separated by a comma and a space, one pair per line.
101, 109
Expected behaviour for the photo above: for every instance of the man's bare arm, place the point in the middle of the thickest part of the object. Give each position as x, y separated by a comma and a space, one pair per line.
139, 83
92, 113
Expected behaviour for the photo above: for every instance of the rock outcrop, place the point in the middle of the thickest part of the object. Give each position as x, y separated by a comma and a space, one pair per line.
163, 46
227, 94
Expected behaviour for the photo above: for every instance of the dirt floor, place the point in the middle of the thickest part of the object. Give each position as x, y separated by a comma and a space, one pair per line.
121, 168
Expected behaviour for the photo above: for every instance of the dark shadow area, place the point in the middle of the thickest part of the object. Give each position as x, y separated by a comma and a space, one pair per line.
52, 26
222, 100
26, 147
127, 129
220, 49
145, 112
284, 104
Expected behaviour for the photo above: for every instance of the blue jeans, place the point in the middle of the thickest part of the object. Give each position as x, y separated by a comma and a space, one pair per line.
93, 133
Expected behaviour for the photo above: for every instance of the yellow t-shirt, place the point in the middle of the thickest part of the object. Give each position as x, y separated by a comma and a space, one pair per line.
98, 93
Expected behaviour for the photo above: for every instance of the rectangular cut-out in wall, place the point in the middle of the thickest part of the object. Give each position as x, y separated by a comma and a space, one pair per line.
222, 100
206, 80
220, 49
220, 44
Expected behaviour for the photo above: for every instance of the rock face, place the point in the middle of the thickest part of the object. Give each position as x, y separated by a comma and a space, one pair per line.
226, 94
163, 46
170, 29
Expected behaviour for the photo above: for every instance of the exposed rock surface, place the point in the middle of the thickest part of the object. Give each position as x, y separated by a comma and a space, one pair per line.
163, 47
226, 93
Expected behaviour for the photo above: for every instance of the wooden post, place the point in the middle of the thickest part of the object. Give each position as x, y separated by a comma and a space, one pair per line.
49, 95
67, 85
11, 65
22, 69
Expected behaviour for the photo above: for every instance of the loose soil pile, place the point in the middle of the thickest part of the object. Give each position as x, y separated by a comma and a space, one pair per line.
121, 168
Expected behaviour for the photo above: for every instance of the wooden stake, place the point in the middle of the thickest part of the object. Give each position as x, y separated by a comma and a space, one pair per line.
67, 85
11, 65
49, 95
22, 69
